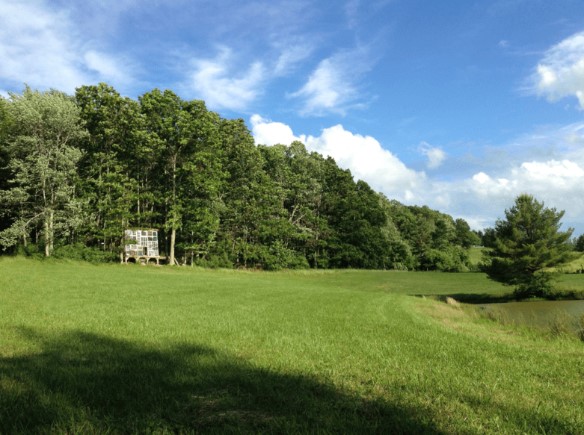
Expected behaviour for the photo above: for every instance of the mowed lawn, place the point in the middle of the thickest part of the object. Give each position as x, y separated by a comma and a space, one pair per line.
115, 348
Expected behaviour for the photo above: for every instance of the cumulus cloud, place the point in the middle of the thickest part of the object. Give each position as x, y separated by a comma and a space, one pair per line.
559, 184
480, 198
266, 132
363, 155
331, 88
560, 73
367, 160
214, 81
435, 155
551, 178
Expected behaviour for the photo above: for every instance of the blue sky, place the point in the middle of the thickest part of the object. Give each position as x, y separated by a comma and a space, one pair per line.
457, 104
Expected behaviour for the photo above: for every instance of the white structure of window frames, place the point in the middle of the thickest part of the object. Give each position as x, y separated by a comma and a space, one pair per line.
142, 246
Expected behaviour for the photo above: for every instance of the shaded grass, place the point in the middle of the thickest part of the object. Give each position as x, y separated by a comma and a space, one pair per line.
91, 383
138, 349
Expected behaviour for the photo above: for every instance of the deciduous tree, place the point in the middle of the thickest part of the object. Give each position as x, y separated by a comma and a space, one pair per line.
43, 159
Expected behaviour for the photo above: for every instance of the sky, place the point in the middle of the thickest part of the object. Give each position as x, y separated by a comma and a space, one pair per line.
460, 105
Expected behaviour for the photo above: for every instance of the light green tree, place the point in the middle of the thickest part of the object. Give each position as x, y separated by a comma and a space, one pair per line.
43, 156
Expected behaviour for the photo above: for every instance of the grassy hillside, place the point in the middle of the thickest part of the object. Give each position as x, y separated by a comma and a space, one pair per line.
128, 348
476, 255
575, 266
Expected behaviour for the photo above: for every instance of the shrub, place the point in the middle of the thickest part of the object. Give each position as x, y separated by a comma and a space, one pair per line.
215, 261
30, 250
279, 257
79, 251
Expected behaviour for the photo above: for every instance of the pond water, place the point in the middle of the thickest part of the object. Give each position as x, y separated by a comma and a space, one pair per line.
538, 313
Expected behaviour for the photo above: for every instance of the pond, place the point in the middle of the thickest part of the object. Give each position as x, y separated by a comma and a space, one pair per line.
538, 313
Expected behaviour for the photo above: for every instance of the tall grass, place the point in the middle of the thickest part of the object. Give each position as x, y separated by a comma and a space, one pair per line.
144, 349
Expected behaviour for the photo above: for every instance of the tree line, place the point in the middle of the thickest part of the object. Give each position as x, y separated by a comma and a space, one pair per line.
77, 170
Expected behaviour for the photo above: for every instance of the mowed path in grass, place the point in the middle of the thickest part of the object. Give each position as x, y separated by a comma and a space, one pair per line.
136, 349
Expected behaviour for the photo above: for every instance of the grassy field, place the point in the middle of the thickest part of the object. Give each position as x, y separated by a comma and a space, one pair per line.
574, 266
115, 348
475, 255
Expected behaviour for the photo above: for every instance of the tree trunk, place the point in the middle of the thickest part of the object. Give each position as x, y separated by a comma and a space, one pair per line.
52, 231
172, 240
48, 224
173, 221
47, 250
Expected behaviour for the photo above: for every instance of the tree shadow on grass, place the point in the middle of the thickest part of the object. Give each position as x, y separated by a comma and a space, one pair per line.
83, 382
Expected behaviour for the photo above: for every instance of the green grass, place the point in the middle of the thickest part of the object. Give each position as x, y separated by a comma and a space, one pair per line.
144, 349
574, 266
475, 255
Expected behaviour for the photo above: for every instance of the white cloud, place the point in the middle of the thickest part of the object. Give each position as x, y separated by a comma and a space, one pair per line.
363, 155
107, 67
558, 174
214, 81
331, 88
435, 155
40, 45
291, 55
266, 132
367, 160
548, 164
324, 90
480, 198
559, 184
560, 73
36, 46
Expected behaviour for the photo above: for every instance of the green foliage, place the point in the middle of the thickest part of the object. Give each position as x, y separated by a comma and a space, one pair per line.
489, 238
536, 285
527, 242
436, 241
43, 152
80, 252
450, 259
112, 154
465, 237
579, 244
216, 198
30, 250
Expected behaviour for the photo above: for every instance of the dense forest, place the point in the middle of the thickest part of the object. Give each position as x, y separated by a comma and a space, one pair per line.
76, 171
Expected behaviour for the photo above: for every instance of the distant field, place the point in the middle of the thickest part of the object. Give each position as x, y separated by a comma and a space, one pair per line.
147, 349
577, 265
574, 266
475, 255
